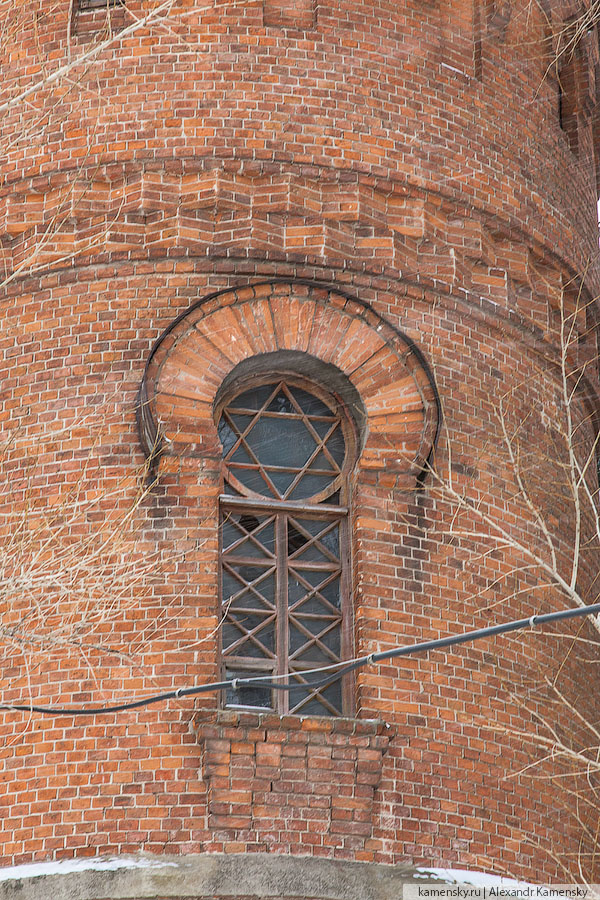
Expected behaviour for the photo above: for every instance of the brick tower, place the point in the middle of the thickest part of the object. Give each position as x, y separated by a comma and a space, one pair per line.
298, 358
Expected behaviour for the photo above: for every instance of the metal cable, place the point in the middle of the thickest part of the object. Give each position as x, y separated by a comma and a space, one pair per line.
334, 672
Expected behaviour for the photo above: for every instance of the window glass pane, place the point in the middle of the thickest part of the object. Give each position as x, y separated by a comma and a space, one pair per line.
326, 701
247, 635
323, 465
310, 486
254, 399
309, 404
282, 403
249, 609
246, 535
295, 539
313, 579
320, 545
226, 435
325, 601
253, 695
330, 593
322, 648
281, 442
254, 480
248, 588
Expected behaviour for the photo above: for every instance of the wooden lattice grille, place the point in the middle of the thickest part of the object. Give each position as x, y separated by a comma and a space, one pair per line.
283, 442
283, 559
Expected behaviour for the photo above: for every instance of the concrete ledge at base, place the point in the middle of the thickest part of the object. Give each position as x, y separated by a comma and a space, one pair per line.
205, 877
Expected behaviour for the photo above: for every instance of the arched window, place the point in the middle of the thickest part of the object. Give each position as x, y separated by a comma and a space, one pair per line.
288, 447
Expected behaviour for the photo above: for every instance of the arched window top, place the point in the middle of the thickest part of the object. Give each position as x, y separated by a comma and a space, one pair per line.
285, 439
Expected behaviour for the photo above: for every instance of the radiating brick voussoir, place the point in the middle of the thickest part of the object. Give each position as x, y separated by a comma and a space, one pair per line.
244, 322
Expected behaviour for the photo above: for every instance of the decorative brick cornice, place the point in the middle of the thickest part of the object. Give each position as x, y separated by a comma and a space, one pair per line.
274, 211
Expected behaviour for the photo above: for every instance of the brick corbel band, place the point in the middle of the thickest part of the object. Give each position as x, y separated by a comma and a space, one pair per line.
259, 766
191, 360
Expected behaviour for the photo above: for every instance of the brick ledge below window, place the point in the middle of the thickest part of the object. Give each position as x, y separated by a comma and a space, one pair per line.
261, 769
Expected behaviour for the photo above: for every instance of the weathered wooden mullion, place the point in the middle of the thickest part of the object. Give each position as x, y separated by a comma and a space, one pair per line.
252, 610
315, 616
250, 663
249, 560
310, 565
307, 510
301, 666
273, 414
251, 467
281, 697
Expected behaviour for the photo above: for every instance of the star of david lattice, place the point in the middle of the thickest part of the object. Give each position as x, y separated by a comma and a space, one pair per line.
283, 562
282, 442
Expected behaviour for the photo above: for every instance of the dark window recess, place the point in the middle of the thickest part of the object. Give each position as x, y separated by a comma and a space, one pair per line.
98, 4
283, 545
568, 101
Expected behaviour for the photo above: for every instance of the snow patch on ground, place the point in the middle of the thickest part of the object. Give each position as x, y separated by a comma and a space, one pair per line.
107, 863
64, 866
465, 876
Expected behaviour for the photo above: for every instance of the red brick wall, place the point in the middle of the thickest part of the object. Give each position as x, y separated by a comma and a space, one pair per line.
398, 197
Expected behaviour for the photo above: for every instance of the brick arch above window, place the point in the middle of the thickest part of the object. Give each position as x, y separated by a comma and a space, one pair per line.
202, 347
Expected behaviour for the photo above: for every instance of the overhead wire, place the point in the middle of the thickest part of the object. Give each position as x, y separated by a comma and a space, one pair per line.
335, 671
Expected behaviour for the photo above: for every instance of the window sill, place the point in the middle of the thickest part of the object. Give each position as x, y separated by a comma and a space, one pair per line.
236, 717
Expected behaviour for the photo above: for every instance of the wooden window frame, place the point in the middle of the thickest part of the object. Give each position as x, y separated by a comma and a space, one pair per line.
280, 563
88, 5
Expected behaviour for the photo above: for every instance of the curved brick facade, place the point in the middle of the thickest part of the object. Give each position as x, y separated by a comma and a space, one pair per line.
389, 187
